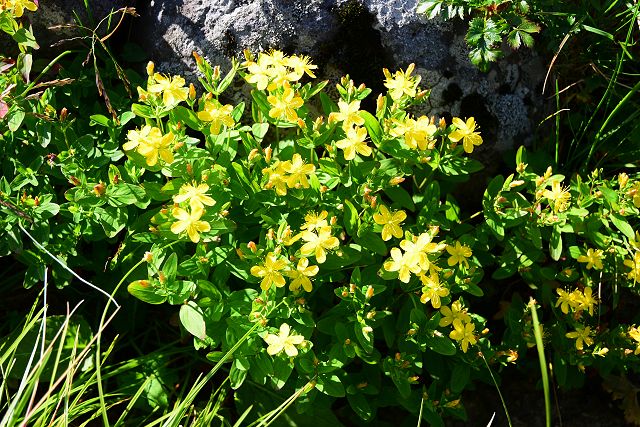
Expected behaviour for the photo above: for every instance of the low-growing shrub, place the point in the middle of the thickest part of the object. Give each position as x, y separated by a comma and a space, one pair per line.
317, 247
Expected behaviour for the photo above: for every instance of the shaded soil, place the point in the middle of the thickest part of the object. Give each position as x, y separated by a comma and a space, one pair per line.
589, 406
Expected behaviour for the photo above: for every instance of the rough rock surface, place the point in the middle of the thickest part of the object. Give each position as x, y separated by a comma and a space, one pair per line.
359, 38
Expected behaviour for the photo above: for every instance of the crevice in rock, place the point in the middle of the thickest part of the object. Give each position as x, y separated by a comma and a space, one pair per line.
357, 48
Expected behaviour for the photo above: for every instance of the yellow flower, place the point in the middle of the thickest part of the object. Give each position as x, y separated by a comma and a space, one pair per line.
136, 138
314, 220
300, 276
587, 301
634, 193
196, 195
317, 244
190, 222
276, 178
157, 145
418, 134
283, 341
419, 249
593, 258
284, 104
390, 221
172, 89
459, 254
403, 264
401, 83
348, 114
217, 114
298, 171
354, 142
456, 312
18, 6
259, 72
634, 333
466, 132
559, 197
568, 300
634, 265
582, 335
270, 271
432, 289
300, 65
463, 333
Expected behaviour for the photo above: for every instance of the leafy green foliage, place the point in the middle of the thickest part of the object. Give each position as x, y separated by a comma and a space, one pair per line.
300, 244
491, 23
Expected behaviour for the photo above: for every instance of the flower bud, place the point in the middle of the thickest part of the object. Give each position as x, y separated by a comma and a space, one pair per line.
319, 121
73, 180
63, 114
369, 292
396, 180
623, 178
99, 189
267, 154
442, 123
197, 57
516, 183
379, 103
253, 154
252, 247
216, 73
301, 123
151, 67
147, 257
521, 167
192, 91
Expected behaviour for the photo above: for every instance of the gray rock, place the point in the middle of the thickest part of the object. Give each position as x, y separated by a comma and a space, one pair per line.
358, 38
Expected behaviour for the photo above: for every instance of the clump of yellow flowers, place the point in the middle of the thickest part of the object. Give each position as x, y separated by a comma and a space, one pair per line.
151, 144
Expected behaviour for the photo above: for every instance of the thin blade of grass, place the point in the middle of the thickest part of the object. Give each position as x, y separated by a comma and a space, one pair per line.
543, 363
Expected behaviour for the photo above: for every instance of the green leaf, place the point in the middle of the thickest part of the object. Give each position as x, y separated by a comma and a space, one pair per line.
460, 377
360, 406
170, 266
282, 369
400, 196
145, 291
373, 242
126, 194
555, 243
112, 219
99, 119
192, 318
186, 116
142, 111
330, 385
14, 119
440, 343
372, 126
621, 224
25, 38
350, 218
